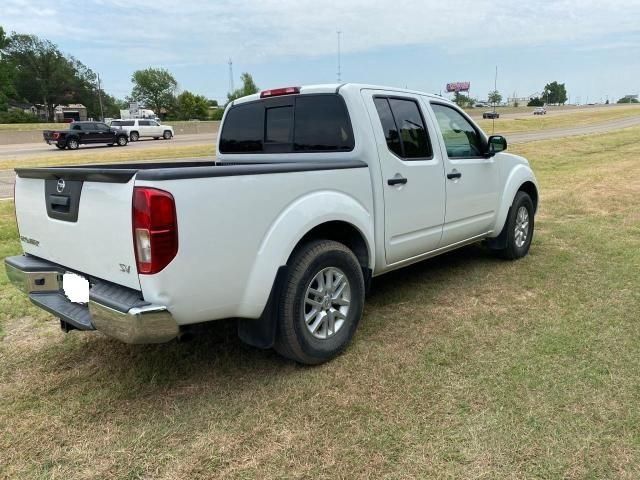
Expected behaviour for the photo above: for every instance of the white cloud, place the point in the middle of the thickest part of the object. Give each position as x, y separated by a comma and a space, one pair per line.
200, 32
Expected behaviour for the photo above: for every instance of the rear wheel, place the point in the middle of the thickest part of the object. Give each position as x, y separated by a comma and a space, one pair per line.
167, 135
60, 146
156, 138
134, 136
73, 144
122, 141
518, 228
321, 302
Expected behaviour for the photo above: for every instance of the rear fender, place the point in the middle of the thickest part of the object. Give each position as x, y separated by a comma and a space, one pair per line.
295, 221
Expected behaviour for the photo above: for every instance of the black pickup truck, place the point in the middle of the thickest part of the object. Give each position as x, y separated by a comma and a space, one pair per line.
85, 133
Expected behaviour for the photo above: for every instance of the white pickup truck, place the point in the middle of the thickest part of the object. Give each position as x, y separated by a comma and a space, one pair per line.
314, 191
138, 128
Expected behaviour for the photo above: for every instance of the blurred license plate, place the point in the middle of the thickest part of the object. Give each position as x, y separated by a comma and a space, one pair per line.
76, 288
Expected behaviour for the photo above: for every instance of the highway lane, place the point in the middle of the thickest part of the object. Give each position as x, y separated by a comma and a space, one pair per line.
7, 176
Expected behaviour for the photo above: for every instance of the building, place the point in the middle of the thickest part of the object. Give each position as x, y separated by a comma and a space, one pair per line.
522, 101
70, 113
37, 110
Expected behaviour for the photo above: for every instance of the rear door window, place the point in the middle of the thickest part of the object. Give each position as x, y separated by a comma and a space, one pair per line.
404, 128
301, 123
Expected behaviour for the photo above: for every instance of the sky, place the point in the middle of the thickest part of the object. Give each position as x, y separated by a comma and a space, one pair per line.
590, 45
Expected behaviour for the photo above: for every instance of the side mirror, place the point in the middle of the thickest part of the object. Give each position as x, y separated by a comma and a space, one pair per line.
495, 144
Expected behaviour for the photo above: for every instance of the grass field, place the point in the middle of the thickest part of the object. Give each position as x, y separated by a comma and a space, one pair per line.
464, 366
109, 155
569, 118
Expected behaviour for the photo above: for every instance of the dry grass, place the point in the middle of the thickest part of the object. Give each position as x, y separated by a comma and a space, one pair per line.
463, 367
563, 119
110, 155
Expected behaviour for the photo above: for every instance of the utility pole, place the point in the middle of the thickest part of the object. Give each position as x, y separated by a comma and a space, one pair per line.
339, 54
495, 89
100, 99
231, 89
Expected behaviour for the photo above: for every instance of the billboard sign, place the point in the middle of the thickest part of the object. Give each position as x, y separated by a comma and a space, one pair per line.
458, 86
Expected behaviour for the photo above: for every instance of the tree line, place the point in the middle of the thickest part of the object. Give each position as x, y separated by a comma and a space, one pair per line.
34, 71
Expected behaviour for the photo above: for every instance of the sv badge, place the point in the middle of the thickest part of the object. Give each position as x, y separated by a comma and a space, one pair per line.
125, 268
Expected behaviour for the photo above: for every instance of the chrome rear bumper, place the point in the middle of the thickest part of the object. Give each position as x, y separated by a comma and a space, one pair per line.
116, 311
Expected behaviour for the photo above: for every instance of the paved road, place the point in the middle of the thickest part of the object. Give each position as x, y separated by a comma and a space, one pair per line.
7, 176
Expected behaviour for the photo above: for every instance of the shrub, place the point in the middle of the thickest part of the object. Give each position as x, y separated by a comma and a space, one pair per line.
17, 116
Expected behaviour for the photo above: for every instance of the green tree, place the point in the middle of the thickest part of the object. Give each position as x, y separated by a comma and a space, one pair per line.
248, 88
494, 97
41, 73
6, 78
628, 99
463, 100
535, 102
190, 106
154, 88
554, 93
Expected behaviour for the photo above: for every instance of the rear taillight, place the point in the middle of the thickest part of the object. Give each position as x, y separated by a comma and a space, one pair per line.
55, 135
276, 92
155, 229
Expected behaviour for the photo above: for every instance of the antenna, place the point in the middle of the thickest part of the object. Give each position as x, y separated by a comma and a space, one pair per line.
231, 89
339, 66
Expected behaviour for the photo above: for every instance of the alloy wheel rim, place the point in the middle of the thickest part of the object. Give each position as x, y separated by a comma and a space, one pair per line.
326, 303
522, 227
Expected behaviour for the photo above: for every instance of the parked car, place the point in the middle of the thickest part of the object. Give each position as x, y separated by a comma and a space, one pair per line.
540, 111
138, 128
81, 133
491, 114
314, 191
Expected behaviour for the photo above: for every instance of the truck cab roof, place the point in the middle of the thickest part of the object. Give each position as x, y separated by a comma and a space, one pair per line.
335, 87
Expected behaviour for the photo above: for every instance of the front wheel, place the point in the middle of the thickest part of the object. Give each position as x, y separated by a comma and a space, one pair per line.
518, 228
73, 144
321, 302
167, 135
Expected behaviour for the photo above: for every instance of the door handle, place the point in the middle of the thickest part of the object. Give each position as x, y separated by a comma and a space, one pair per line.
397, 181
453, 175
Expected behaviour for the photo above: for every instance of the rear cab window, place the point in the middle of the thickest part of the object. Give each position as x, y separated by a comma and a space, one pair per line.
288, 124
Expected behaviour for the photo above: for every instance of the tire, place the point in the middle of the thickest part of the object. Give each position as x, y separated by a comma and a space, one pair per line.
134, 136
60, 146
343, 302
73, 144
514, 230
167, 135
156, 138
121, 141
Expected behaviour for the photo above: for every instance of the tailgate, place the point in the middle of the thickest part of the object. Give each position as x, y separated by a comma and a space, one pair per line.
81, 223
